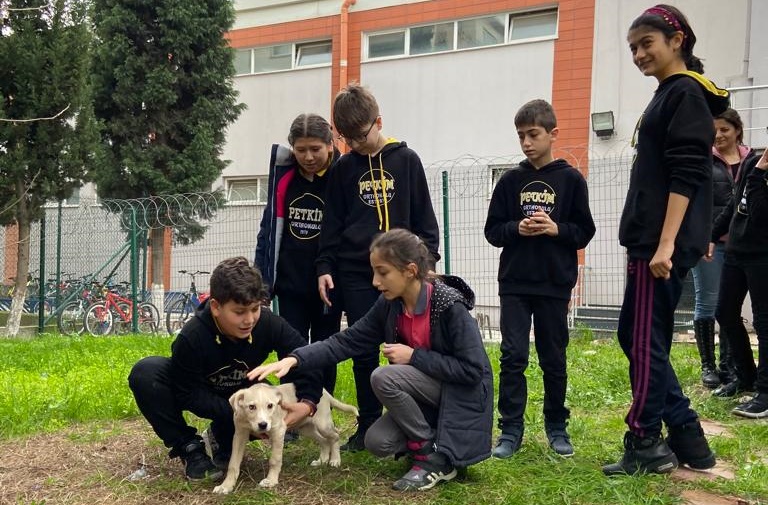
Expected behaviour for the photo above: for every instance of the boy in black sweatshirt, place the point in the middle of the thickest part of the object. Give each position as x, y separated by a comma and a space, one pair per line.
378, 186
230, 334
539, 214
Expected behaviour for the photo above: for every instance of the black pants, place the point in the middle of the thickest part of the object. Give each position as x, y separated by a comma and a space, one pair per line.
157, 399
646, 327
310, 317
358, 296
738, 278
550, 325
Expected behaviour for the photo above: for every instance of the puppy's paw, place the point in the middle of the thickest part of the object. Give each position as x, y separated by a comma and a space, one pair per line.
317, 462
335, 463
222, 489
268, 483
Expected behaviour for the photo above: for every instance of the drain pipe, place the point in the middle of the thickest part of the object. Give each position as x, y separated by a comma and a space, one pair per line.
344, 42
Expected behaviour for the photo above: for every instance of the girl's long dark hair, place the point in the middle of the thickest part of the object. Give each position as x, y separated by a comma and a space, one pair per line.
401, 247
668, 20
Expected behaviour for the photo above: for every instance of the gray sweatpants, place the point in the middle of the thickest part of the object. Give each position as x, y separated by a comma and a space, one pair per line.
411, 399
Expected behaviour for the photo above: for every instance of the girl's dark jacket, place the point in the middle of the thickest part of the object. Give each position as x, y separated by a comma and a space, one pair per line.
673, 155
283, 167
723, 182
457, 358
207, 367
746, 218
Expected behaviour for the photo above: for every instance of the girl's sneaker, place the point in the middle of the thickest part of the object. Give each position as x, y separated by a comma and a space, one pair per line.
429, 468
756, 408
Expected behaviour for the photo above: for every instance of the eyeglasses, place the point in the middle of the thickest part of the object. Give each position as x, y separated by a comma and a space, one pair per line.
360, 138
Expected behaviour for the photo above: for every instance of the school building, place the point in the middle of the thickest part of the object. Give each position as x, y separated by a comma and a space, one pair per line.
449, 76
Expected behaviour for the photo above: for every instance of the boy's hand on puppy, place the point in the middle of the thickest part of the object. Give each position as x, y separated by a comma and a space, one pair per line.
397, 354
278, 369
295, 412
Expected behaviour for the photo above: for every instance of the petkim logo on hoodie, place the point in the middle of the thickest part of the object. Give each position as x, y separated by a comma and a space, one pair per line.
537, 195
371, 192
304, 216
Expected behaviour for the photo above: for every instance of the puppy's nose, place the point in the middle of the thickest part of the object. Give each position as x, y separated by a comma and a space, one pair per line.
263, 425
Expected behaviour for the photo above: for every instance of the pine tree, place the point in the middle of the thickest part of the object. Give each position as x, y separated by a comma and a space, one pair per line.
47, 131
164, 90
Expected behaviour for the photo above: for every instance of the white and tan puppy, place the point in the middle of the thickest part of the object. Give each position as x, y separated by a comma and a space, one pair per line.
257, 411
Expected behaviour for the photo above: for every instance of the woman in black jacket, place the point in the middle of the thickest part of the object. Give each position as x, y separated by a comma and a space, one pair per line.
746, 271
729, 155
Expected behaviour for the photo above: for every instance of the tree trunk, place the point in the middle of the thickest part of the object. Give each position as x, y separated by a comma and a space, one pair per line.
22, 262
157, 243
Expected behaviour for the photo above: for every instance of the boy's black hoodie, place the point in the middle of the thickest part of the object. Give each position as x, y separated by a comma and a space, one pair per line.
673, 154
208, 367
539, 265
746, 217
367, 195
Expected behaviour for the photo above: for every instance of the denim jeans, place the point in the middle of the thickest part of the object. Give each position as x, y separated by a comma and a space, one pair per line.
706, 282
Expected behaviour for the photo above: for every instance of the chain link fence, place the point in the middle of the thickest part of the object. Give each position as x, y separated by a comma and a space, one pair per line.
90, 238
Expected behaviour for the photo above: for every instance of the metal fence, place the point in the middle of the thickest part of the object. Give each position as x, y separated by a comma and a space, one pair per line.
88, 239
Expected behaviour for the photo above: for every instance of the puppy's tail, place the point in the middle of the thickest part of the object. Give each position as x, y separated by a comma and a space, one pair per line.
336, 404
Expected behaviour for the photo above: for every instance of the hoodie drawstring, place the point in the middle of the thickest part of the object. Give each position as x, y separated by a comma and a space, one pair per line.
383, 223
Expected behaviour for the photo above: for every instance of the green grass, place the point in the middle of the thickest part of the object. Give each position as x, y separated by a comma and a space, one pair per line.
52, 382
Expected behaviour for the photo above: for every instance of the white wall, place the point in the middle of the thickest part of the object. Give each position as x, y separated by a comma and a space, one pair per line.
273, 101
267, 12
451, 104
619, 86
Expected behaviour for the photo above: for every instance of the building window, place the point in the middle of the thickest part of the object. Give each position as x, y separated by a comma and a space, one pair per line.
480, 32
431, 39
250, 190
259, 60
313, 54
533, 26
383, 45
461, 34
73, 198
496, 172
243, 61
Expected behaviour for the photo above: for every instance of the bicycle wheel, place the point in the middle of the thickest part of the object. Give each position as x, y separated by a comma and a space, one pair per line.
70, 319
177, 315
122, 325
98, 319
149, 318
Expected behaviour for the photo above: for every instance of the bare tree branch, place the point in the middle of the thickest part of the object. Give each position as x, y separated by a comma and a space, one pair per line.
62, 111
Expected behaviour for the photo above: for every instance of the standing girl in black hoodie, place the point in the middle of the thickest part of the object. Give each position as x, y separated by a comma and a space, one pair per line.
665, 227
289, 234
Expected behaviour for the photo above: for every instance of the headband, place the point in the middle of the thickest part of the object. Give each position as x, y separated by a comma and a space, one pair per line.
670, 18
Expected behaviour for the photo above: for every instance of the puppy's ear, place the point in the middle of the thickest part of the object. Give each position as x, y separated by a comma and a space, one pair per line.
279, 397
236, 398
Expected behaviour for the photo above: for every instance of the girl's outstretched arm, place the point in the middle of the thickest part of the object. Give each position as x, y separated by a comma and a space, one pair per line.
279, 369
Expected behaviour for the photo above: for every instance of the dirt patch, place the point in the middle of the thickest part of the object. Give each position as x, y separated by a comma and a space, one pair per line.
91, 465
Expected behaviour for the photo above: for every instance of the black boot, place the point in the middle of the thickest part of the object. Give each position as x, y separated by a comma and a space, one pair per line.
727, 372
690, 446
643, 455
704, 331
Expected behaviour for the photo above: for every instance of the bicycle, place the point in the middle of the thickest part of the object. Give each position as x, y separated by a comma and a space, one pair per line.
181, 309
116, 312
71, 319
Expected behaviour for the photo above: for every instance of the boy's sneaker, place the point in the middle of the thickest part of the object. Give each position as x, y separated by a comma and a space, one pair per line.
219, 456
197, 464
558, 438
756, 408
643, 455
690, 446
429, 468
509, 443
356, 442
